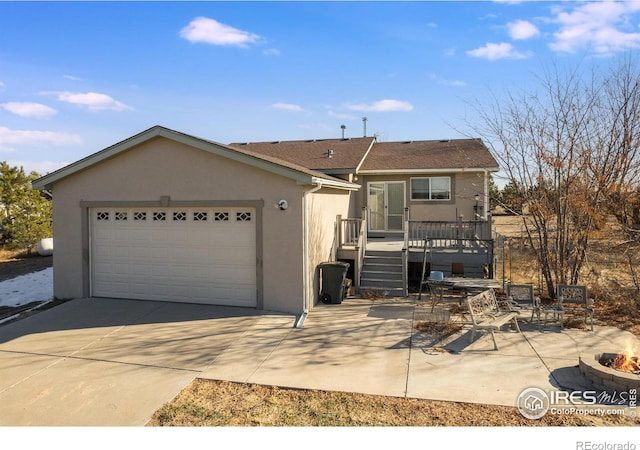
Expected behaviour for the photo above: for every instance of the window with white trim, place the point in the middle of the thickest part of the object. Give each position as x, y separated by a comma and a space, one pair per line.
431, 188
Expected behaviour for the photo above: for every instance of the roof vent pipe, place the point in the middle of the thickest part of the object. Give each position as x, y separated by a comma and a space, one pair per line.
364, 125
329, 153
343, 127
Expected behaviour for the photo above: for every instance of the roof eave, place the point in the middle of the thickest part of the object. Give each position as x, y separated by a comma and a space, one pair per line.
334, 172
333, 183
47, 181
426, 171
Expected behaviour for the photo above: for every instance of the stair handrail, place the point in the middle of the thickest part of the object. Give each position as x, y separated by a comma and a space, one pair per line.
361, 248
405, 254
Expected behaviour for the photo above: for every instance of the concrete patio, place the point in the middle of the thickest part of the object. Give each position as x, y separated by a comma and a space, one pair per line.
105, 362
372, 347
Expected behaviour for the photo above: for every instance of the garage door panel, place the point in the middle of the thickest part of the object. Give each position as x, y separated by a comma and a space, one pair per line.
103, 234
184, 254
121, 270
225, 273
139, 253
139, 270
239, 254
139, 236
160, 253
199, 272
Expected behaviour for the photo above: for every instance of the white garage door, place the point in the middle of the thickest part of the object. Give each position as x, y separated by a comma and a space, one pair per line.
196, 255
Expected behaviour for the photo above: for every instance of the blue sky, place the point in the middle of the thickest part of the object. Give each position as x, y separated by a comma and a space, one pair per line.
76, 77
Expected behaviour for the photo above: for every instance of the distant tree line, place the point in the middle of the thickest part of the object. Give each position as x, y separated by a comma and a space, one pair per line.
25, 213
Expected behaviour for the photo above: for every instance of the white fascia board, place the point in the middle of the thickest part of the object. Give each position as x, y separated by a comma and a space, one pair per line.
426, 171
334, 184
373, 141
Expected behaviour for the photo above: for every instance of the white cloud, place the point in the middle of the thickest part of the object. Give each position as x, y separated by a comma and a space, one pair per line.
382, 106
1, 85
209, 31
445, 82
603, 27
29, 109
93, 101
493, 51
10, 138
522, 29
271, 52
72, 78
288, 107
336, 115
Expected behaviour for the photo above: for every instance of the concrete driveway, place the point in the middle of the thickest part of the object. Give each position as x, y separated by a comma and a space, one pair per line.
101, 362
115, 362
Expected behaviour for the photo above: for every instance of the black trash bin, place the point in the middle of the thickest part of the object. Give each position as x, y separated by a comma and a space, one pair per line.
333, 275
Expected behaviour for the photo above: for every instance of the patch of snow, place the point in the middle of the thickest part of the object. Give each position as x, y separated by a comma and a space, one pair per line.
32, 287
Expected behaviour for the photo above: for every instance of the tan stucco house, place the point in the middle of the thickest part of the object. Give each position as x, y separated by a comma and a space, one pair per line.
168, 216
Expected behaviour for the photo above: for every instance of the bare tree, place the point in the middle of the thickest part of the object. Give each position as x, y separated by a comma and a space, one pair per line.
571, 149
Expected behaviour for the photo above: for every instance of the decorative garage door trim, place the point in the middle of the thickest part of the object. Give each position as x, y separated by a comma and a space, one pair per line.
210, 211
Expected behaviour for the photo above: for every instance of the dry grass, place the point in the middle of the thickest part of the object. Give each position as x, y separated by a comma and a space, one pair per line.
16, 263
226, 404
441, 329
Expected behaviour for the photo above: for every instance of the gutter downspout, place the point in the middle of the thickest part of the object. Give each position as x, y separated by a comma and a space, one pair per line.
306, 301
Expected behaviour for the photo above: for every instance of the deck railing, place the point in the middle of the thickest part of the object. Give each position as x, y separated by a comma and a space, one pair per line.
445, 233
352, 233
349, 231
440, 233
465, 235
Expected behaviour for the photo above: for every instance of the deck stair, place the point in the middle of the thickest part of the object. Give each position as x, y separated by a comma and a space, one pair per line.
382, 271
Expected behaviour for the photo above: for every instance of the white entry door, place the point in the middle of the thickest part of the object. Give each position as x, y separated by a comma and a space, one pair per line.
386, 206
196, 255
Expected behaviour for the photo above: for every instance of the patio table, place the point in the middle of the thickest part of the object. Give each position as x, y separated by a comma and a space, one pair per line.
463, 285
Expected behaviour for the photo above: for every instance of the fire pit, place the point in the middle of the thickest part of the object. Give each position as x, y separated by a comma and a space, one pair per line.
621, 362
611, 371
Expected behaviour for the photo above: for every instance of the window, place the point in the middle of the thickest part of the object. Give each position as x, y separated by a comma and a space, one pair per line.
221, 216
243, 217
432, 188
200, 216
179, 216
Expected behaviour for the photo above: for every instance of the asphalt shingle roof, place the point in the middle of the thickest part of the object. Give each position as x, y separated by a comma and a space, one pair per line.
434, 154
347, 153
